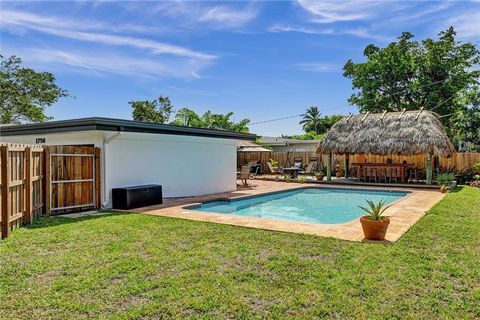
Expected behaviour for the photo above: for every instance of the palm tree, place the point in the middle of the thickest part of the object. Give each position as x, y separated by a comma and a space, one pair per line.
311, 119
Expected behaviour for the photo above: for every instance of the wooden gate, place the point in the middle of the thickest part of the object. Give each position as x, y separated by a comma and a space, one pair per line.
73, 178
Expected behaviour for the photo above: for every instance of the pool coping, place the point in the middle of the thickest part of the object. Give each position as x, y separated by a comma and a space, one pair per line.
403, 212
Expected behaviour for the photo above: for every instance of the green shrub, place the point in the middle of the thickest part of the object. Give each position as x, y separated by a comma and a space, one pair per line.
445, 179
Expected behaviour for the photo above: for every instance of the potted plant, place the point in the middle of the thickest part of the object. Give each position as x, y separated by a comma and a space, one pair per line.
375, 224
338, 171
273, 163
320, 174
445, 180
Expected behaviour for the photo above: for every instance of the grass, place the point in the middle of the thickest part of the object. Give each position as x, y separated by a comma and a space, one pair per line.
124, 266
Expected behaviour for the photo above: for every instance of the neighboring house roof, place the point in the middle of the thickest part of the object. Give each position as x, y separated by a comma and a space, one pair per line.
108, 124
253, 149
403, 133
241, 144
279, 141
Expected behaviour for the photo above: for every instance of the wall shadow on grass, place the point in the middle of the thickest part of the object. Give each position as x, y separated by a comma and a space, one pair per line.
52, 221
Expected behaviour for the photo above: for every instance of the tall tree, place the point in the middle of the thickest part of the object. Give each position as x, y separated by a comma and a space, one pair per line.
440, 75
25, 93
465, 125
158, 110
223, 122
188, 117
328, 121
311, 120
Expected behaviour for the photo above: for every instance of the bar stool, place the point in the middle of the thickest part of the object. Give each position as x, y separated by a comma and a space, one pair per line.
352, 173
382, 174
372, 175
363, 174
413, 175
393, 175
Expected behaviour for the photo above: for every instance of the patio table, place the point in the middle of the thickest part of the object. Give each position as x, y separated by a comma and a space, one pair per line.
403, 167
293, 171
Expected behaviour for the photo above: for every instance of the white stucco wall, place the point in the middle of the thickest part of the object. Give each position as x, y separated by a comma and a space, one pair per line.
183, 165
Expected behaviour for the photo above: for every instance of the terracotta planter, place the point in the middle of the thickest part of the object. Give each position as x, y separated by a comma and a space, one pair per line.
443, 189
374, 230
339, 174
319, 177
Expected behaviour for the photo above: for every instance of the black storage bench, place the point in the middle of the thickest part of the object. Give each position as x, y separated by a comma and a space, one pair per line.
136, 196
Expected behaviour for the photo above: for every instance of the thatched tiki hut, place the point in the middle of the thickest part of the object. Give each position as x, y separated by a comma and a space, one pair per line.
403, 133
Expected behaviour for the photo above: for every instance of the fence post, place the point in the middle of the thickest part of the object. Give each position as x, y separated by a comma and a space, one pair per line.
5, 192
98, 184
48, 179
28, 185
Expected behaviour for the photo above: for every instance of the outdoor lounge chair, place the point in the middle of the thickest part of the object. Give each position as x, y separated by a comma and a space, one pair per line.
274, 171
244, 175
310, 169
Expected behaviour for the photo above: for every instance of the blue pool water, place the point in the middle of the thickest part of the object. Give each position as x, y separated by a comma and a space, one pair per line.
309, 205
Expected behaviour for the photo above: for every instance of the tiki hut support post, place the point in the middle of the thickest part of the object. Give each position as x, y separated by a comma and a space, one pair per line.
329, 167
429, 169
345, 164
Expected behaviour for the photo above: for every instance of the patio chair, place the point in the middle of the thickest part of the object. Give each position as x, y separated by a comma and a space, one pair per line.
244, 175
298, 162
254, 167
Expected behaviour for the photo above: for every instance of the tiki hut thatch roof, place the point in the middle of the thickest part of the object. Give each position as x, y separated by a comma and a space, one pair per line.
405, 133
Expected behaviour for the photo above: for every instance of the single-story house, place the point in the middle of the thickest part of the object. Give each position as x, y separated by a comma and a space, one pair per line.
186, 161
279, 144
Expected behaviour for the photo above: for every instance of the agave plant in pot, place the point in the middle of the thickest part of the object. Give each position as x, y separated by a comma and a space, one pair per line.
375, 224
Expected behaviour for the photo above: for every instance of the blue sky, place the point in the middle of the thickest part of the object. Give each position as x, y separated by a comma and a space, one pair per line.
261, 60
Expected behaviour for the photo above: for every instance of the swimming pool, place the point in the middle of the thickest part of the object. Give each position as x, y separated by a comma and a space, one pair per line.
307, 205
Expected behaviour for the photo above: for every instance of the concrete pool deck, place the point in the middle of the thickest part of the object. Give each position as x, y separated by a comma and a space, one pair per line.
404, 212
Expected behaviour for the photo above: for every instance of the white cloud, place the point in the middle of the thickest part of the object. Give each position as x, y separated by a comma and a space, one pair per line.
100, 63
358, 32
335, 11
227, 16
467, 25
58, 27
317, 67
197, 14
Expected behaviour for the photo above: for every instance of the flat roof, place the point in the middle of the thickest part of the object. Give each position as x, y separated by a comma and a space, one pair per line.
109, 124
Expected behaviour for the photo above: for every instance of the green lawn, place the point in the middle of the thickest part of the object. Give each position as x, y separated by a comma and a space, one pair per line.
137, 266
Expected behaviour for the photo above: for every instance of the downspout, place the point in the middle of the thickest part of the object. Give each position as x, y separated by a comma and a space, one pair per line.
106, 141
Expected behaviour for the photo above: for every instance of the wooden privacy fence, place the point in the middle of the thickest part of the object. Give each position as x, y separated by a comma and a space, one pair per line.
22, 189
46, 180
459, 161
